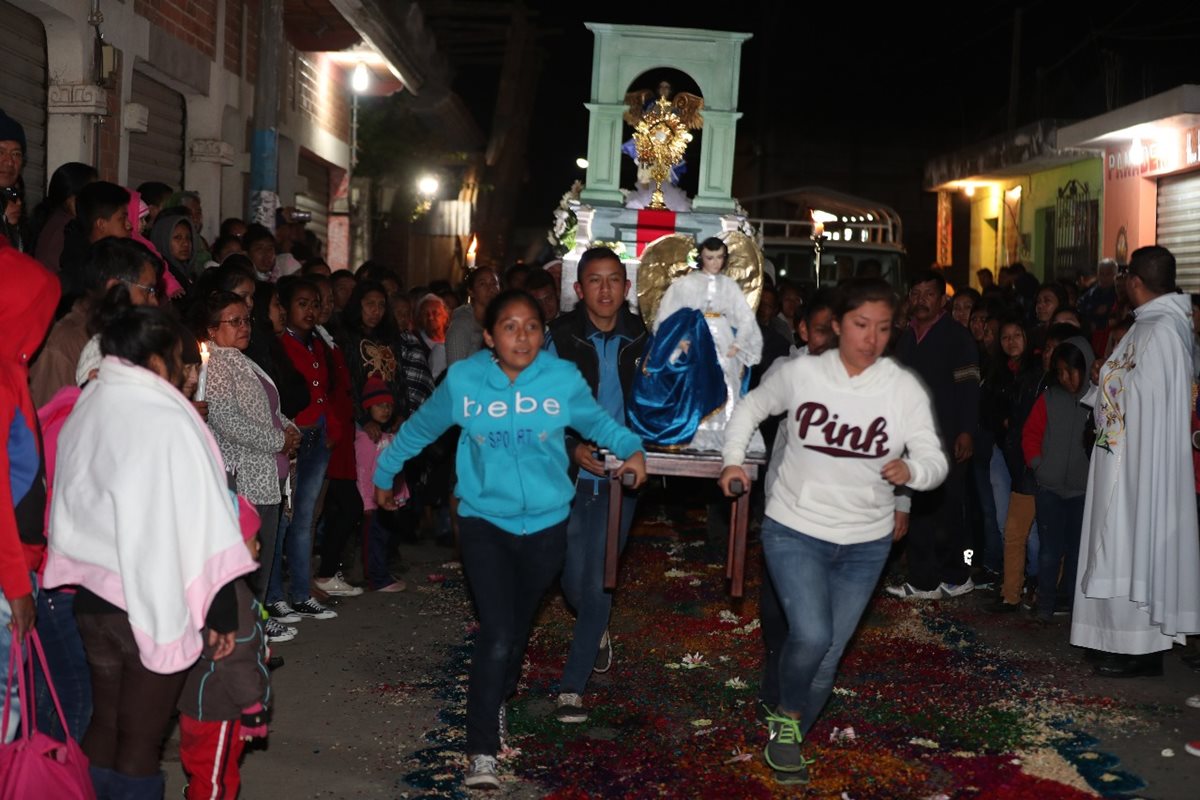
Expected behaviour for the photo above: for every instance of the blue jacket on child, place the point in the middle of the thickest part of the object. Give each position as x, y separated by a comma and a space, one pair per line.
512, 460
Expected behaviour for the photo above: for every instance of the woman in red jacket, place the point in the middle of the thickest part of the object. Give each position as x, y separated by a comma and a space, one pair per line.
320, 431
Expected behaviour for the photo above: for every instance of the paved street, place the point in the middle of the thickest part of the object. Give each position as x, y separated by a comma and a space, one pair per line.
358, 701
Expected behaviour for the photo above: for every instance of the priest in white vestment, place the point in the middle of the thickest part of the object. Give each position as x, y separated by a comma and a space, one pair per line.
1138, 589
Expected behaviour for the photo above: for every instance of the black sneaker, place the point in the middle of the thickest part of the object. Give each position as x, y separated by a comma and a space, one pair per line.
311, 609
783, 749
1001, 607
986, 578
604, 656
282, 613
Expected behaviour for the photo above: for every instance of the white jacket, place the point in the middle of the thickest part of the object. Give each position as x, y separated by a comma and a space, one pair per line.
840, 431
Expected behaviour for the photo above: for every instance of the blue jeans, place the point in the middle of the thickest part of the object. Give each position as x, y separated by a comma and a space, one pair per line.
583, 576
1060, 524
376, 537
14, 699
268, 533
508, 575
981, 475
824, 589
68, 664
1032, 546
774, 634
295, 537
999, 483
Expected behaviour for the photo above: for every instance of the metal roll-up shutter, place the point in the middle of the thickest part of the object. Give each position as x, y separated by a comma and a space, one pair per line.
315, 197
23, 91
157, 154
1179, 225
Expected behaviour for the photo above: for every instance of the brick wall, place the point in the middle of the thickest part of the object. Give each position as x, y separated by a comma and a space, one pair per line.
337, 118
233, 35
251, 59
111, 126
193, 22
328, 106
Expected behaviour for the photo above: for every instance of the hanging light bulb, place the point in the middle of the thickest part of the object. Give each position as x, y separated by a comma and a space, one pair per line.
360, 81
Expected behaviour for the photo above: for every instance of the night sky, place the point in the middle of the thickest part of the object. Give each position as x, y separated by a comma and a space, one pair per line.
857, 96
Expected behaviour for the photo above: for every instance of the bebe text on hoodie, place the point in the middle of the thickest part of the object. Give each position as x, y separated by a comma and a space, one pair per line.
498, 409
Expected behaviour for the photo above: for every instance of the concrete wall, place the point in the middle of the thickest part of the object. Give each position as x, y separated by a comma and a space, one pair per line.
1041, 191
1130, 214
1005, 229
207, 51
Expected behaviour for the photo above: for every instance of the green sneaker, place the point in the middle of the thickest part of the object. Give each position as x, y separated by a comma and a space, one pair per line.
783, 749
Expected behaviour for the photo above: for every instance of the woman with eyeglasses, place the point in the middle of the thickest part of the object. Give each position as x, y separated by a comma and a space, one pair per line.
255, 438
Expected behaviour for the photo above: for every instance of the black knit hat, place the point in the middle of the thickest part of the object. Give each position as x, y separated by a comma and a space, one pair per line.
11, 130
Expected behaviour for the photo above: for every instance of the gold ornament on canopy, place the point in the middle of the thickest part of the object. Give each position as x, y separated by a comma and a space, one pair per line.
661, 136
673, 256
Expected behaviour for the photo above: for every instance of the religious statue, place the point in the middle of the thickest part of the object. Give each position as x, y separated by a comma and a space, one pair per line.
661, 133
705, 340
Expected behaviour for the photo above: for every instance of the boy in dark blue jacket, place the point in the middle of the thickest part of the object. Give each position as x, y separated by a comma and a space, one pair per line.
605, 340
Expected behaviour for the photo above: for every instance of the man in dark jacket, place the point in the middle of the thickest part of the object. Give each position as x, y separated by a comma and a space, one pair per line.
12, 151
946, 358
605, 340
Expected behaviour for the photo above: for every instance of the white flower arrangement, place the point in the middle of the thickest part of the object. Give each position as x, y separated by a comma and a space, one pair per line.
566, 224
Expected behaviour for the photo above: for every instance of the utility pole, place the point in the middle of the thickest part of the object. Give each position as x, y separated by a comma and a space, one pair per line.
264, 146
1014, 75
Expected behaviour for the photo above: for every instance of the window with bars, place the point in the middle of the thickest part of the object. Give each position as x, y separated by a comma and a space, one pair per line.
1076, 221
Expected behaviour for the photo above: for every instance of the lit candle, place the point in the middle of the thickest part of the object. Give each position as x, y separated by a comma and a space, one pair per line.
471, 252
200, 384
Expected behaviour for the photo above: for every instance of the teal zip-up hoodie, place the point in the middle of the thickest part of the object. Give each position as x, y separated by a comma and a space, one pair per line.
512, 459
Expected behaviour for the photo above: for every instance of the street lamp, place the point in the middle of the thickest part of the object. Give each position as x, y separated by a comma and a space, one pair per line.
361, 80
581, 162
819, 218
428, 186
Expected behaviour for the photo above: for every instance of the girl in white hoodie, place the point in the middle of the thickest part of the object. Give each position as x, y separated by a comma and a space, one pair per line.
857, 426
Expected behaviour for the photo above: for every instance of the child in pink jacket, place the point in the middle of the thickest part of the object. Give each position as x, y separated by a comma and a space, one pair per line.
378, 401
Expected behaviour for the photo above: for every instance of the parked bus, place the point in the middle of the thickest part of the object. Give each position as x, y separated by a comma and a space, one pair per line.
860, 237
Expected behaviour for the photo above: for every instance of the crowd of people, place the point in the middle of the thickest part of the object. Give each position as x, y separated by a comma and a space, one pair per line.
239, 425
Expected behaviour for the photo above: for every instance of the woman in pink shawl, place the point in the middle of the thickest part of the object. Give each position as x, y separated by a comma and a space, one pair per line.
145, 525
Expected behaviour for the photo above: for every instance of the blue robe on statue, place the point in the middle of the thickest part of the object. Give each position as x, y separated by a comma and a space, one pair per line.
677, 386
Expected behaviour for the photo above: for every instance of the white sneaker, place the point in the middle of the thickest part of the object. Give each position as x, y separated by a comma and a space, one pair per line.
965, 587
570, 708
481, 774
337, 586
604, 656
282, 613
907, 590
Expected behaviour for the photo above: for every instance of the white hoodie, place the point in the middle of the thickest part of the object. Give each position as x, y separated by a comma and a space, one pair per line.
840, 431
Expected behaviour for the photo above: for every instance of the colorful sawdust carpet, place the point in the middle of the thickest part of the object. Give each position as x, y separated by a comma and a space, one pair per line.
921, 709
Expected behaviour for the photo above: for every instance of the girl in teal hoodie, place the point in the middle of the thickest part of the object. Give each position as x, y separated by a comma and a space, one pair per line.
514, 402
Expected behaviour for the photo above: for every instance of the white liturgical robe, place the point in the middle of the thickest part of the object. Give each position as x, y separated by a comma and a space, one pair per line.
1138, 585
